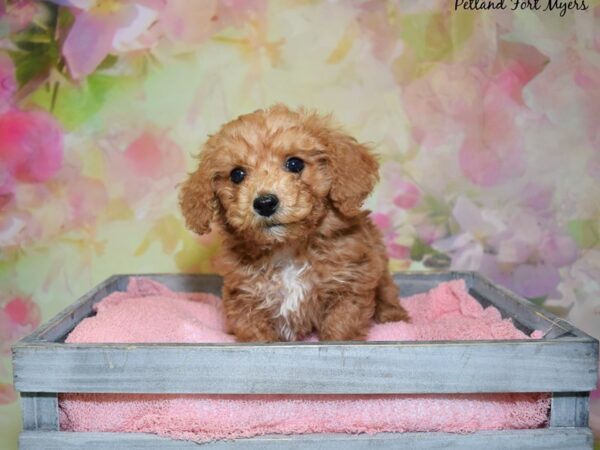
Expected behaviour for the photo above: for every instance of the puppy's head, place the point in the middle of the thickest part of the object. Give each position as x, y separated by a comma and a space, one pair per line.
272, 175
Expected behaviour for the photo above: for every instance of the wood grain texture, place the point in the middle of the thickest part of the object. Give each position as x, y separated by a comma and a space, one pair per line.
569, 409
40, 411
59, 326
565, 363
302, 368
540, 439
525, 314
521, 310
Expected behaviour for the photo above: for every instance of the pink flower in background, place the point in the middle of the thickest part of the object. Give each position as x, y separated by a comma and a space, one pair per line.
18, 317
184, 22
187, 23
467, 247
148, 169
8, 83
22, 312
406, 195
385, 223
516, 65
439, 103
12, 227
395, 186
398, 251
426, 231
87, 198
492, 149
153, 156
7, 393
31, 146
463, 105
510, 247
104, 26
17, 15
581, 290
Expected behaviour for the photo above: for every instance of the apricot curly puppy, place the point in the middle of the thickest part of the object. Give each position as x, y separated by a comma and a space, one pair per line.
298, 255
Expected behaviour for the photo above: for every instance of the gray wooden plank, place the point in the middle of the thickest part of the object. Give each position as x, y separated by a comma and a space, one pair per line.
569, 409
210, 283
40, 411
417, 282
522, 310
526, 315
566, 365
539, 439
57, 327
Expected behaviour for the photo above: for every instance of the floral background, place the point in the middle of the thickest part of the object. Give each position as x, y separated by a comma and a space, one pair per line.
486, 123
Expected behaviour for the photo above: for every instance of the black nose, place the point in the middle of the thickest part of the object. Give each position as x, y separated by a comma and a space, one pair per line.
266, 204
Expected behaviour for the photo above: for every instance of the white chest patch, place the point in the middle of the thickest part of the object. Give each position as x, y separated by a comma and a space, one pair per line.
286, 292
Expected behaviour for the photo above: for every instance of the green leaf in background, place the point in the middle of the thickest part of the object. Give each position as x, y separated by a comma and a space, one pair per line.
76, 104
584, 232
537, 300
36, 54
34, 63
108, 62
418, 250
64, 19
36, 50
435, 36
431, 258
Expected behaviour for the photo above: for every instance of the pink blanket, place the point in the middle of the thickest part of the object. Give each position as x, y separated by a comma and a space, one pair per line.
150, 312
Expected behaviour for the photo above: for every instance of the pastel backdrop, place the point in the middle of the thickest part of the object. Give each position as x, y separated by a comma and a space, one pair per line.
485, 121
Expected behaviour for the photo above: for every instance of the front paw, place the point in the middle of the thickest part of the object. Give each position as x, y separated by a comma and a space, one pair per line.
263, 334
343, 332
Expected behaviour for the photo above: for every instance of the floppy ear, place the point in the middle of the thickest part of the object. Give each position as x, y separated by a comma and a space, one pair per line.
197, 199
354, 172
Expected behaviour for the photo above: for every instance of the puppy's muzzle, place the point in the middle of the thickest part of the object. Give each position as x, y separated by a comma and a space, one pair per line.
266, 205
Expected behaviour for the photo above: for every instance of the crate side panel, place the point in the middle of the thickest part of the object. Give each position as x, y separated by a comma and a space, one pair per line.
345, 368
40, 411
523, 311
541, 439
569, 409
56, 329
411, 283
189, 282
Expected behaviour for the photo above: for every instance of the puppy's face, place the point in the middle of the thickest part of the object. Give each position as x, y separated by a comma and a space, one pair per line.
270, 186
271, 176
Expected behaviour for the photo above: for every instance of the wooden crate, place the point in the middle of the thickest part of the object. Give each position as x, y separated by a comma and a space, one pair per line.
564, 363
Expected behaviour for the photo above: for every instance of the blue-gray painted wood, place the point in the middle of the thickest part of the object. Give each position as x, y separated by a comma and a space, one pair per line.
59, 326
523, 311
539, 439
303, 368
40, 411
525, 314
564, 364
564, 361
569, 409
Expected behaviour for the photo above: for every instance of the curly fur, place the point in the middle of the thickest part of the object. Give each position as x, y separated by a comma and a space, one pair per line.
318, 263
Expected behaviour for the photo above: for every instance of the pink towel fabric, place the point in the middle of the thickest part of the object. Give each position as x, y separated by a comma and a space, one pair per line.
150, 312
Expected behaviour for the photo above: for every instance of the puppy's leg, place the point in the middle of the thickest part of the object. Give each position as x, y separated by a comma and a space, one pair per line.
387, 306
253, 332
347, 318
244, 320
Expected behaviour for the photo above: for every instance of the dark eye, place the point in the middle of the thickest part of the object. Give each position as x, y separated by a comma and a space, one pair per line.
237, 175
294, 164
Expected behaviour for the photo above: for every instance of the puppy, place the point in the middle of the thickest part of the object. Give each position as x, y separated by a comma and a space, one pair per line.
298, 253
